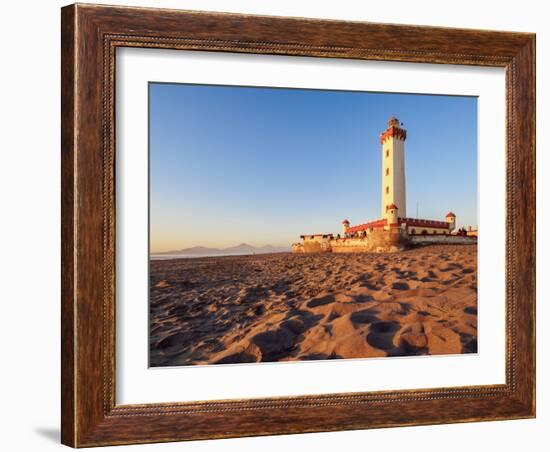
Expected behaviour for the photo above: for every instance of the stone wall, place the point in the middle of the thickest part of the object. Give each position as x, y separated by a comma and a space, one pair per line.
316, 246
448, 239
312, 245
377, 241
358, 245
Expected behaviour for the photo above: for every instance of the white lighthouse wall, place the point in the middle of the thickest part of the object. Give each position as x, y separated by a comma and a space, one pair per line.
395, 180
399, 198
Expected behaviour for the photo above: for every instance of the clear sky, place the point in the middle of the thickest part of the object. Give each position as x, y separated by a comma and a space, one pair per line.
264, 165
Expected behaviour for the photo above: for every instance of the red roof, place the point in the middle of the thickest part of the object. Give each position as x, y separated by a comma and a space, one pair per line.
345, 221
391, 206
393, 131
371, 224
450, 214
414, 222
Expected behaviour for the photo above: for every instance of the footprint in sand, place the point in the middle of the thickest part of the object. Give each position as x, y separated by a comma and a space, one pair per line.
259, 309
400, 286
237, 358
381, 334
319, 356
172, 341
332, 316
469, 343
371, 286
362, 298
447, 269
275, 344
365, 316
321, 301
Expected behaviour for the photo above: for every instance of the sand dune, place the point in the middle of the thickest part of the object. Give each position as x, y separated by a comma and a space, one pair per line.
282, 307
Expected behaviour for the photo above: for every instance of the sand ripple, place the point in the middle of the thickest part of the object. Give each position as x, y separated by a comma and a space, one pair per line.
282, 307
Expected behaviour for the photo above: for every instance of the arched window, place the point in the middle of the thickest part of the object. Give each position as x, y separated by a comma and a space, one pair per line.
424, 231
387, 171
413, 231
387, 190
387, 152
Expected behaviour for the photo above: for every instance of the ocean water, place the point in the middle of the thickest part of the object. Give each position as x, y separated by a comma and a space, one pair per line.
159, 257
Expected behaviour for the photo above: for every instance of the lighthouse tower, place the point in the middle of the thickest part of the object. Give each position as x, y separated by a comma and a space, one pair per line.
393, 167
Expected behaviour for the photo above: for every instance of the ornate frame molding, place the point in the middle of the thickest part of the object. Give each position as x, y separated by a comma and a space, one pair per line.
90, 36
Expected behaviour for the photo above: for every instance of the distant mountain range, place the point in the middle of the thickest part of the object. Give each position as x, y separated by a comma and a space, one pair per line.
243, 248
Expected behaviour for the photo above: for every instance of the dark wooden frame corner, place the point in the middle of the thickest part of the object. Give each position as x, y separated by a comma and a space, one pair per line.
90, 35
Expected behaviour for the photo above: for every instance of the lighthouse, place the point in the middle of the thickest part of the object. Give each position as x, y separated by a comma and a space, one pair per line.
393, 167
393, 230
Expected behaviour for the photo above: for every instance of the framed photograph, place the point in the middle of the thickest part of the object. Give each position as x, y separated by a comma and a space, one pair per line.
281, 225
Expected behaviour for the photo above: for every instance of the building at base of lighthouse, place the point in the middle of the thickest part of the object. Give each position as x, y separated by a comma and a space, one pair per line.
394, 230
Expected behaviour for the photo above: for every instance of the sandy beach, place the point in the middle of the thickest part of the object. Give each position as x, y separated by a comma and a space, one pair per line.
286, 307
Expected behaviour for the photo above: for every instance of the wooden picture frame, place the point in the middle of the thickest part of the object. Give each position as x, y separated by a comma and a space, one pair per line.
90, 36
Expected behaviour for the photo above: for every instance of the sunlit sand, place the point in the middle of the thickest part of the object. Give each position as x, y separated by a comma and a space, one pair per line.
287, 307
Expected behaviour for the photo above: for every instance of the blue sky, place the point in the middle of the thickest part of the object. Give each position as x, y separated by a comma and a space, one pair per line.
264, 165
